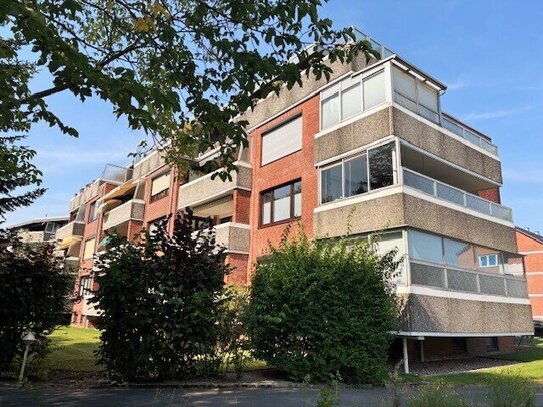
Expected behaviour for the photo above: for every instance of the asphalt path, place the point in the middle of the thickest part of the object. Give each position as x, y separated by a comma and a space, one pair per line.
264, 397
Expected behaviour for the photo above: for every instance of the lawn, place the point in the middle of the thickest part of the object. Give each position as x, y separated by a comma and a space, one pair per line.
73, 350
529, 366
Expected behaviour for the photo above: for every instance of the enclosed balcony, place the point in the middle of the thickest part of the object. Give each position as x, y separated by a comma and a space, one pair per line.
205, 189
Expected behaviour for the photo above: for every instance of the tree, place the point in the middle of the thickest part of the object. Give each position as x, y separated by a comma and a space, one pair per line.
322, 309
34, 288
161, 300
181, 70
17, 171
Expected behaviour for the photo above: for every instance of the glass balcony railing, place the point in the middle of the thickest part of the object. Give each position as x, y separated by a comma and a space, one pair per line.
455, 196
459, 129
454, 279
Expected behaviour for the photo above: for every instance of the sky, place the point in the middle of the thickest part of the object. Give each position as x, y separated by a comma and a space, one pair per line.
489, 53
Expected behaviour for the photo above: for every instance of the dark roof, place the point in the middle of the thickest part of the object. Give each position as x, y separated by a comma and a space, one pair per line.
531, 234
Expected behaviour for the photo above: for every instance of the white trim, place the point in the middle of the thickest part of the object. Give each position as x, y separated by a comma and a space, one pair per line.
227, 251
528, 252
378, 193
233, 224
535, 295
534, 273
456, 166
373, 144
418, 194
461, 334
444, 130
435, 292
537, 316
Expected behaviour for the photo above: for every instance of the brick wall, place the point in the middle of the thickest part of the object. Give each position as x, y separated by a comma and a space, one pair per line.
492, 194
298, 165
533, 265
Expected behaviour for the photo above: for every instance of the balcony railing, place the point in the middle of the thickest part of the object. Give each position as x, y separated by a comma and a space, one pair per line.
131, 210
454, 279
74, 228
470, 135
455, 196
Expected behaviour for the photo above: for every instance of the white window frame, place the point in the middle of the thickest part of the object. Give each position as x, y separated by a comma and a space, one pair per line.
488, 256
346, 84
341, 161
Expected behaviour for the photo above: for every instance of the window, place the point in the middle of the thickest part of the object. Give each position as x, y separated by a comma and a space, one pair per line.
415, 95
488, 260
458, 254
281, 141
93, 211
459, 345
84, 286
492, 344
357, 175
89, 249
160, 186
351, 97
425, 247
282, 203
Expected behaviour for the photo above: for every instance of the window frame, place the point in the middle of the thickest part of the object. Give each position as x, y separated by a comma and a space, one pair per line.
487, 257
285, 122
341, 161
272, 204
93, 249
93, 212
85, 285
162, 194
346, 84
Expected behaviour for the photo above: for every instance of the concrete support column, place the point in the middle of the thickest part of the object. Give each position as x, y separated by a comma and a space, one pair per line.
405, 356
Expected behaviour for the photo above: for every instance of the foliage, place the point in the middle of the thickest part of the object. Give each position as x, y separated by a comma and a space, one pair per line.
162, 300
320, 308
511, 390
34, 288
436, 396
181, 70
16, 171
328, 396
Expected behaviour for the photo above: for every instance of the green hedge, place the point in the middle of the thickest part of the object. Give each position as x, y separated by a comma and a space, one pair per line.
324, 309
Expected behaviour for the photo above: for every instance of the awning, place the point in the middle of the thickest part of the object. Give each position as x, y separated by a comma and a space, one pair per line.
68, 241
109, 205
119, 191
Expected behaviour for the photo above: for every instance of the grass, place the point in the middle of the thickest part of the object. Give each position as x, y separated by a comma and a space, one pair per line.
529, 366
73, 350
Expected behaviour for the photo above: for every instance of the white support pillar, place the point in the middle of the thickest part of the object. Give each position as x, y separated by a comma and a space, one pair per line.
405, 356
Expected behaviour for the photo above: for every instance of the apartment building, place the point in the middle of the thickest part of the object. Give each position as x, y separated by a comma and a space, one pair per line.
39, 230
370, 150
530, 245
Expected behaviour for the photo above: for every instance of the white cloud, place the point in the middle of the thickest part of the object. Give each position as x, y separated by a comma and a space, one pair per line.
459, 83
498, 113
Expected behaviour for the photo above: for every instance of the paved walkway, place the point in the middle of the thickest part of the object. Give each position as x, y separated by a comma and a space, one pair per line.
205, 397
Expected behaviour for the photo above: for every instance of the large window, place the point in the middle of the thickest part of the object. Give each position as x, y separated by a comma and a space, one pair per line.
281, 141
454, 253
93, 211
350, 97
282, 204
356, 175
415, 95
84, 286
160, 186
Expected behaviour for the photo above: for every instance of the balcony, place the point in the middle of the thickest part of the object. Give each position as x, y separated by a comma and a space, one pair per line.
234, 236
88, 308
455, 196
72, 229
454, 279
205, 189
131, 210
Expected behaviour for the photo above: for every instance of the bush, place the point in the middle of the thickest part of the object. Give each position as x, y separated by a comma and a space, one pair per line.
162, 301
510, 390
35, 287
436, 396
323, 308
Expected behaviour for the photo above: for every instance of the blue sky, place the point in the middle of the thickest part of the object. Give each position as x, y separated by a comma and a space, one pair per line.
487, 52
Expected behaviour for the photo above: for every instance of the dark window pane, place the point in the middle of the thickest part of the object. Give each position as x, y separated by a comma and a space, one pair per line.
331, 184
381, 174
356, 176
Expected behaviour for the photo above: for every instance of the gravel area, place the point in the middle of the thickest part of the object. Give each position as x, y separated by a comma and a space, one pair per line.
456, 366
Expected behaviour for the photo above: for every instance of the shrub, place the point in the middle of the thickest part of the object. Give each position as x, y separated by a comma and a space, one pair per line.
35, 287
162, 300
321, 308
510, 390
436, 396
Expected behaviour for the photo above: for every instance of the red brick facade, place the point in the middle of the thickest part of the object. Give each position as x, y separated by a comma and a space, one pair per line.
531, 246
